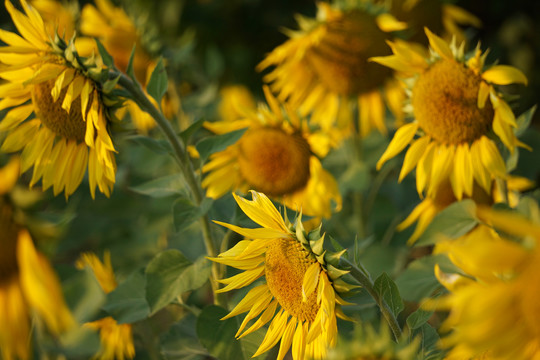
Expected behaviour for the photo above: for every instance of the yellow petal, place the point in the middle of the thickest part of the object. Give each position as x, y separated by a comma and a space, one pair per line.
287, 338
413, 155
387, 23
262, 211
491, 158
273, 335
439, 45
504, 75
483, 93
311, 278
402, 138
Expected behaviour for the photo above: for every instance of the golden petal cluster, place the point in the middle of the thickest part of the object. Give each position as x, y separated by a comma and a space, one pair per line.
299, 293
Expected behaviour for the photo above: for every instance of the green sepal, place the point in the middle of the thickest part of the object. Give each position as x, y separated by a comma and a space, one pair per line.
334, 257
299, 229
129, 69
317, 246
320, 258
315, 233
342, 286
109, 85
334, 272
105, 56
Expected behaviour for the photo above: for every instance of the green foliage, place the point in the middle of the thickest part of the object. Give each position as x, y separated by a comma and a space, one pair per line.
388, 291
157, 86
213, 144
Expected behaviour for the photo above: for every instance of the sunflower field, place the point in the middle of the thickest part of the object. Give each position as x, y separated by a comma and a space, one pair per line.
206, 179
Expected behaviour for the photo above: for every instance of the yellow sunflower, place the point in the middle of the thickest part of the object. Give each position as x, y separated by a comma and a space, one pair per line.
29, 287
69, 132
439, 16
493, 308
452, 116
323, 69
118, 33
278, 155
429, 207
116, 339
300, 283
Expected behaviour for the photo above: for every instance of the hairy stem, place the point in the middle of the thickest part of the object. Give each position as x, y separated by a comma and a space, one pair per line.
186, 167
364, 279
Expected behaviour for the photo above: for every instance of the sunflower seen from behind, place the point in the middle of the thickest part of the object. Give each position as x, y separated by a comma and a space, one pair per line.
299, 293
278, 154
69, 130
30, 291
457, 112
323, 69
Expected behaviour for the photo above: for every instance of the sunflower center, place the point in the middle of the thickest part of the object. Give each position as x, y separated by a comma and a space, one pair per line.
285, 265
68, 125
445, 98
8, 243
340, 58
274, 162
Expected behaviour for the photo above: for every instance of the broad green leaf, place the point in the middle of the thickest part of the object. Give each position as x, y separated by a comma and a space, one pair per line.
180, 341
186, 213
217, 336
452, 222
157, 86
388, 291
127, 303
418, 281
129, 69
429, 339
213, 144
161, 187
105, 56
164, 278
160, 147
418, 318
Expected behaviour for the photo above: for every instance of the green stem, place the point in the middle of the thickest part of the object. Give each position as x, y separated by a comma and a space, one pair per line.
364, 279
186, 167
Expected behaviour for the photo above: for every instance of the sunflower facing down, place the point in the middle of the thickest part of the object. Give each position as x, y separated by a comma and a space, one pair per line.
276, 155
300, 283
455, 109
323, 69
69, 132
29, 288
493, 305
116, 339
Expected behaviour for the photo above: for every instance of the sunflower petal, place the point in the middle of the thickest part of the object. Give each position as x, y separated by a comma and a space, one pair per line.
402, 138
504, 75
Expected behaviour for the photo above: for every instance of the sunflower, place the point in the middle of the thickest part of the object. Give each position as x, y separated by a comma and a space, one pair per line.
276, 155
493, 305
300, 282
439, 16
29, 288
429, 207
116, 339
118, 33
59, 17
323, 69
69, 132
452, 116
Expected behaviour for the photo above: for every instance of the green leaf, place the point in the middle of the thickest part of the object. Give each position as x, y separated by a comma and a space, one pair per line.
186, 134
110, 84
105, 56
418, 318
186, 213
355, 178
161, 187
418, 281
164, 278
213, 144
157, 86
160, 147
429, 339
454, 221
388, 291
524, 120
217, 336
127, 303
129, 69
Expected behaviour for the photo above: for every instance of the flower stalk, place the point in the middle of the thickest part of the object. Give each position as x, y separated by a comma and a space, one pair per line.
186, 167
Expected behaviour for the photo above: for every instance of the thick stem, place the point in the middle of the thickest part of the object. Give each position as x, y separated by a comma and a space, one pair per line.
363, 279
182, 158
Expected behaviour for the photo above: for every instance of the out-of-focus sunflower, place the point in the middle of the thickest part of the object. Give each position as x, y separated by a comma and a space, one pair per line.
277, 155
59, 17
29, 287
116, 339
439, 16
118, 33
493, 306
323, 69
300, 282
70, 130
429, 207
453, 117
